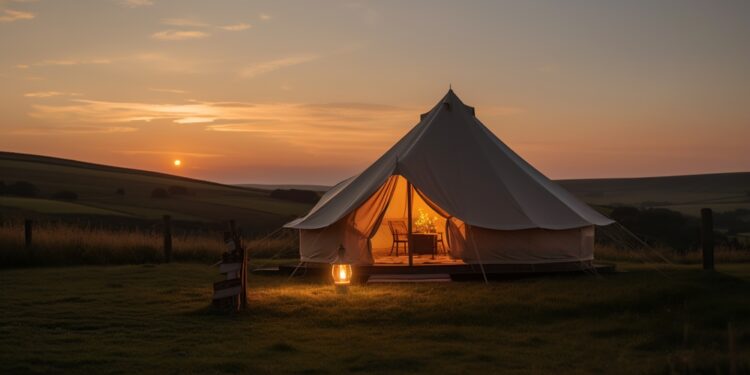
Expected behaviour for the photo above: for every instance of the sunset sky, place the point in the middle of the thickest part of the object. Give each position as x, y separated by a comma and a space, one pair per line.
314, 91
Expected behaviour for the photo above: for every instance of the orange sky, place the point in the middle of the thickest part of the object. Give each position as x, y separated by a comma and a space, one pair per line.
291, 92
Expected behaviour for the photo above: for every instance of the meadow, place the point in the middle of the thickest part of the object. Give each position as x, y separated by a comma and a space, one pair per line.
156, 318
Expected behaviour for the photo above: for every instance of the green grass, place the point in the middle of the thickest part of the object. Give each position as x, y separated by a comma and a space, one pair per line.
157, 319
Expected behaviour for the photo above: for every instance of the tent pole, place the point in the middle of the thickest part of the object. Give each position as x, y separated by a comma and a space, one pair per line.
408, 222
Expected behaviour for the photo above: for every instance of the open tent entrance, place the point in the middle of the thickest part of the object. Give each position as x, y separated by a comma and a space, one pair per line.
426, 241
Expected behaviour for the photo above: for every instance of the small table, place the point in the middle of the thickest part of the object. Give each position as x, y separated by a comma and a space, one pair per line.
424, 243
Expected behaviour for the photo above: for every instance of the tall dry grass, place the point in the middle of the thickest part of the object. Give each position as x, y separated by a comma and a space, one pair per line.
722, 254
62, 244
66, 244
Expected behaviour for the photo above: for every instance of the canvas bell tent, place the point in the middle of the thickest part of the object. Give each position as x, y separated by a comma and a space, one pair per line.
449, 191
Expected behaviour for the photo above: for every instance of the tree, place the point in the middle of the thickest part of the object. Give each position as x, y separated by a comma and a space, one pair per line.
159, 193
21, 189
65, 195
178, 190
296, 195
660, 226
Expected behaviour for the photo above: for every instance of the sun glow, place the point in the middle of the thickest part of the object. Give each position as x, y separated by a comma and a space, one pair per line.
177, 163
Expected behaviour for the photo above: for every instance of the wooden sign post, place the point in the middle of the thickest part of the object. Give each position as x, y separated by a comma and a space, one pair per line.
232, 292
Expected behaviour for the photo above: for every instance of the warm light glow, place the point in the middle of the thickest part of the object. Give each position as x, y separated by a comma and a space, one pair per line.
177, 163
342, 274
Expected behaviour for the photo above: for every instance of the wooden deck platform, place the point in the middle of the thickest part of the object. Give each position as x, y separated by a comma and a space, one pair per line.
460, 271
409, 278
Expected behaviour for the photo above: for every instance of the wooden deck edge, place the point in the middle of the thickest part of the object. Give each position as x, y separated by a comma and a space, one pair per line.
464, 269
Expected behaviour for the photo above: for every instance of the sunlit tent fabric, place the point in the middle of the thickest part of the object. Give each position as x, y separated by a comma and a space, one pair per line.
494, 206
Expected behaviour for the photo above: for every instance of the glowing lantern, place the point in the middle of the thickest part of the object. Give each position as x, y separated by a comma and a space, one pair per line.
341, 271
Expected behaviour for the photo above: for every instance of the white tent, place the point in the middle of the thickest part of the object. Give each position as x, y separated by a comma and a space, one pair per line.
491, 205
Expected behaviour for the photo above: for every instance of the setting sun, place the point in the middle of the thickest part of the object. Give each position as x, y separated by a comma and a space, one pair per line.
177, 163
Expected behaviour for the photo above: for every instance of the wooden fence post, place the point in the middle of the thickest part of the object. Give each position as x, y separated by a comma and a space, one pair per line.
27, 228
237, 240
707, 238
167, 238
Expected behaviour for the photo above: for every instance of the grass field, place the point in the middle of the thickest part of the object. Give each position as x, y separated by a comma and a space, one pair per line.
157, 319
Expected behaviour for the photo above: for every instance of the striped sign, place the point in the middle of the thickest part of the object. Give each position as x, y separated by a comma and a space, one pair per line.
227, 288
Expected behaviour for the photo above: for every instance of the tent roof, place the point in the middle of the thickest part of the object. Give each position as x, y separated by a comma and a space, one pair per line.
453, 159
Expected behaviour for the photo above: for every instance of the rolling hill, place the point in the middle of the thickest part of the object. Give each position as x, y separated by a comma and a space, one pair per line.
317, 188
686, 194
123, 194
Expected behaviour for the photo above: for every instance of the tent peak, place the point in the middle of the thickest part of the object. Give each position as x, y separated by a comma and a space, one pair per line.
451, 101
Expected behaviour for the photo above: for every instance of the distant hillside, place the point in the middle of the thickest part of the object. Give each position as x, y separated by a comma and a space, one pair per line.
114, 192
319, 188
686, 194
124, 193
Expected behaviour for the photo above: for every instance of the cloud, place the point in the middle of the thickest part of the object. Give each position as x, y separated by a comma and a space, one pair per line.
500, 111
183, 22
264, 17
193, 112
153, 60
65, 62
49, 94
255, 70
159, 152
170, 64
187, 22
136, 3
318, 128
179, 35
9, 15
170, 91
194, 120
72, 129
236, 27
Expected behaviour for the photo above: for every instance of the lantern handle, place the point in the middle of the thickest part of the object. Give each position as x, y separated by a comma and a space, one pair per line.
342, 252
